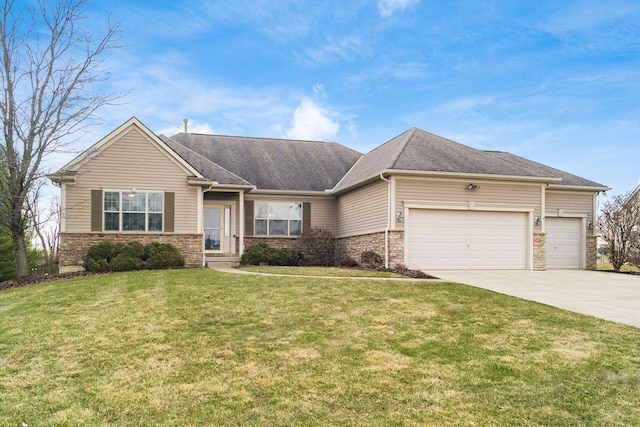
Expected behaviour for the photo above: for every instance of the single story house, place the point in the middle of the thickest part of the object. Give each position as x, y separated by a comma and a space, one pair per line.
419, 200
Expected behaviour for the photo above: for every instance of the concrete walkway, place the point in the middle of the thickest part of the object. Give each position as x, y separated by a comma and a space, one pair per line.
605, 295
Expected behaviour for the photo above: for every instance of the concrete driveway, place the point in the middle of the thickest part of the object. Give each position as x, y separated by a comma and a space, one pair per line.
608, 296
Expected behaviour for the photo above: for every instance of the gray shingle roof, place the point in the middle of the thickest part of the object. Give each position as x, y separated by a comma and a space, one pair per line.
417, 150
206, 167
270, 164
280, 164
567, 178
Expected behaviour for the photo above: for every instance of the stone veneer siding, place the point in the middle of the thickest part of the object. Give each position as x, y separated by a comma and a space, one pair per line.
396, 248
74, 246
354, 246
274, 242
592, 253
539, 251
348, 246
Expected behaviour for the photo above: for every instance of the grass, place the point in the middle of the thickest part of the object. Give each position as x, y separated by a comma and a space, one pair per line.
319, 271
607, 266
199, 347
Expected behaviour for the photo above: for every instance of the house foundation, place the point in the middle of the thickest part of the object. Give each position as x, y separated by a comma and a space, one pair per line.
354, 246
74, 246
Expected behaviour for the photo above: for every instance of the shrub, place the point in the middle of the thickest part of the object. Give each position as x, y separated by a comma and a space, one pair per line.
371, 259
163, 255
348, 262
132, 249
258, 254
106, 256
289, 256
263, 254
96, 265
124, 262
320, 245
100, 251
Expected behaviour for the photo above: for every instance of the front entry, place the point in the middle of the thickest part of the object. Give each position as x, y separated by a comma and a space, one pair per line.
217, 229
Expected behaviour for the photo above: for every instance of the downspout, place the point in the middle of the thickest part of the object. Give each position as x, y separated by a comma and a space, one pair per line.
201, 219
386, 230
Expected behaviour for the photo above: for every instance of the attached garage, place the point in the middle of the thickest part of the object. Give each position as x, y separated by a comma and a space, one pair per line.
452, 239
563, 243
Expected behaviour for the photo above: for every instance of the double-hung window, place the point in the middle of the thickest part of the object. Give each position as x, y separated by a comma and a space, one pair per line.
133, 211
277, 218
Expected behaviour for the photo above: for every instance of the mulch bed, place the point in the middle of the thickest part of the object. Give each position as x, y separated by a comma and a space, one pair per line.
414, 274
32, 280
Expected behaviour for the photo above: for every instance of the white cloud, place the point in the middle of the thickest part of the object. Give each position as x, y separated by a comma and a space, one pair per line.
389, 7
348, 48
312, 122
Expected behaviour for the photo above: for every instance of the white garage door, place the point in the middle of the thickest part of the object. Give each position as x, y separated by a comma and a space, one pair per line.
440, 239
563, 242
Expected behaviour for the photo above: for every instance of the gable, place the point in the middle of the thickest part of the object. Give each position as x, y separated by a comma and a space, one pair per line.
135, 136
132, 157
130, 161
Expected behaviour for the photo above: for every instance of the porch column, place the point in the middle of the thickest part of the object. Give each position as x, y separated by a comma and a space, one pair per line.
241, 215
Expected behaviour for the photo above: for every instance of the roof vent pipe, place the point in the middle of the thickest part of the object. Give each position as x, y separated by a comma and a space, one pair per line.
186, 125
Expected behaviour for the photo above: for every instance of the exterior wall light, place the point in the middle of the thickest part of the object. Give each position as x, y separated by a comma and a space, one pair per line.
473, 187
538, 220
590, 225
400, 216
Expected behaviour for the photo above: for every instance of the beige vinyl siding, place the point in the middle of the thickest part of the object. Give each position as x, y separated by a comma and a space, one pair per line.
454, 192
323, 209
131, 161
363, 210
570, 202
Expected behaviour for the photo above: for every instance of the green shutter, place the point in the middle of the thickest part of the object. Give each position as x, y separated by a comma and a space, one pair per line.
96, 210
306, 216
169, 212
248, 217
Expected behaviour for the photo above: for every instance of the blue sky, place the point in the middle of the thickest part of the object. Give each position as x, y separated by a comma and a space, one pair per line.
554, 81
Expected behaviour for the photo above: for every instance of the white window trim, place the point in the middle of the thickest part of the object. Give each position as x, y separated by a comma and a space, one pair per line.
146, 212
269, 235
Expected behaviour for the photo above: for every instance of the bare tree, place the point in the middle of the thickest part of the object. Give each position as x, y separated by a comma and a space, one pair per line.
618, 226
44, 223
49, 69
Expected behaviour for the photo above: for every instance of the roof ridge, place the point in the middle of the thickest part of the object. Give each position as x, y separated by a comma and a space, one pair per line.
257, 137
409, 134
202, 157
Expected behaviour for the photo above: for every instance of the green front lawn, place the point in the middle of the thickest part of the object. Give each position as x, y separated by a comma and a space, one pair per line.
199, 347
318, 271
629, 268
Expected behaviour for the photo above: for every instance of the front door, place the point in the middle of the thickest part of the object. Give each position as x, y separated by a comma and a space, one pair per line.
217, 228
213, 229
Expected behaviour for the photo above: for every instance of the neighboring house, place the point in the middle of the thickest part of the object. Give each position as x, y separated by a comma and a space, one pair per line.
419, 200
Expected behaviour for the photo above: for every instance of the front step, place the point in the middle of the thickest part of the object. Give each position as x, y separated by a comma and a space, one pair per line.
223, 262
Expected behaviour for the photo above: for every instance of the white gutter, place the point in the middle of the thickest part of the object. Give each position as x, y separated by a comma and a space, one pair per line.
386, 230
578, 188
291, 192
